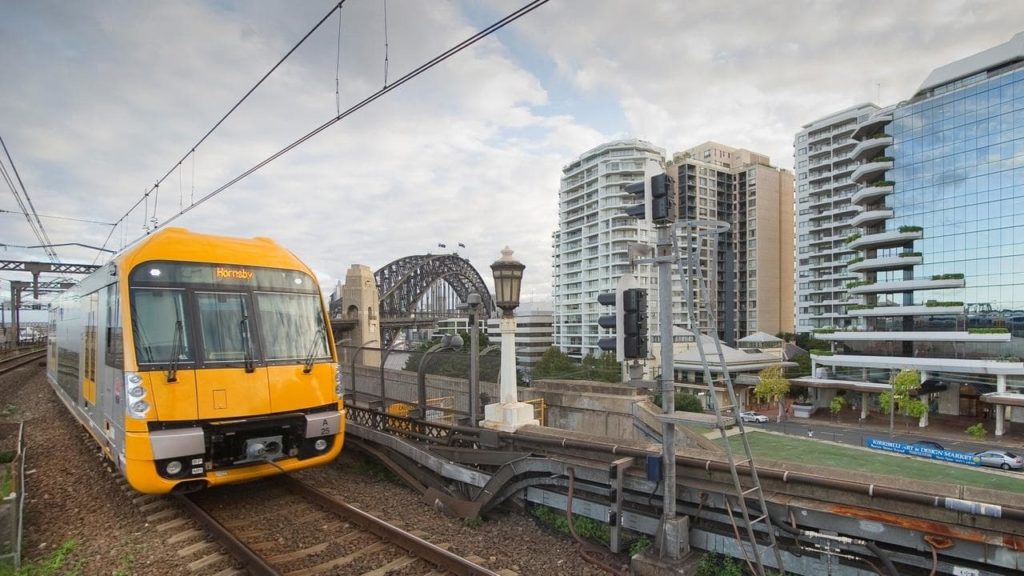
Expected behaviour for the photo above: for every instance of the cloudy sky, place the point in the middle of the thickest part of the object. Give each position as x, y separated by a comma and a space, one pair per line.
102, 98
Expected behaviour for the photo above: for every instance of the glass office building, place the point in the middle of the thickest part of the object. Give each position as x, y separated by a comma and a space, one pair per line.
940, 244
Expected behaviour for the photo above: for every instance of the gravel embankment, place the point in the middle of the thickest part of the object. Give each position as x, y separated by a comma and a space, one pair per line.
73, 497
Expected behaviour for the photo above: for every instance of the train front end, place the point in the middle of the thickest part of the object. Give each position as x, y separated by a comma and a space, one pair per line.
230, 370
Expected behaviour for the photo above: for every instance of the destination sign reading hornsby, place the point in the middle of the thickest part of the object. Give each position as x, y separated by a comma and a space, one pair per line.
232, 273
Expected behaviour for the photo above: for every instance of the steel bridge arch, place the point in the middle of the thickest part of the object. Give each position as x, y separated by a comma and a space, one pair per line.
403, 282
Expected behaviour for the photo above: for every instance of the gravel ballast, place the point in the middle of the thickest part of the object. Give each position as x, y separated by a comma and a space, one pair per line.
75, 501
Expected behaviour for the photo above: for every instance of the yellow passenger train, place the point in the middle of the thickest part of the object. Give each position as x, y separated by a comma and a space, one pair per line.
197, 360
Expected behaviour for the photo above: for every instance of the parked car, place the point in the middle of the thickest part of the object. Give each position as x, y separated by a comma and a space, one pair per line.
928, 444
753, 417
1000, 459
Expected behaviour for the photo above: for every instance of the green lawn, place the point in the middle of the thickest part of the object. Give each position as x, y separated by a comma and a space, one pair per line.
803, 451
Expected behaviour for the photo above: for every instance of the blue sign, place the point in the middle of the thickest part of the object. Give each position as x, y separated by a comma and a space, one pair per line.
922, 452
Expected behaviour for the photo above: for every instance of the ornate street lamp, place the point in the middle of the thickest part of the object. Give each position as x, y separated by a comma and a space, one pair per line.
508, 282
509, 413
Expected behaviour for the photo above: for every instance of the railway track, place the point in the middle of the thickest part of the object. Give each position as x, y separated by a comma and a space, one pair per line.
282, 526
13, 362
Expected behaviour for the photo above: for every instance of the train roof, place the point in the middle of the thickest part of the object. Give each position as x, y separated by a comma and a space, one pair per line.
180, 244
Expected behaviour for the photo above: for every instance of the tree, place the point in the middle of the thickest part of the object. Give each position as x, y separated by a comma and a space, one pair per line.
554, 364
837, 404
604, 368
772, 387
904, 383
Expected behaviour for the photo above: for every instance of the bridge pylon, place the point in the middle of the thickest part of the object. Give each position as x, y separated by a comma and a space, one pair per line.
361, 299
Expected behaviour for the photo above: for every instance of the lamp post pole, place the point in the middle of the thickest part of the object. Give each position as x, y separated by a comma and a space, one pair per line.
509, 413
474, 300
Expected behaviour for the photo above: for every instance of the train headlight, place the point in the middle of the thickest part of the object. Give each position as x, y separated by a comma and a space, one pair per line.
339, 389
173, 468
138, 409
320, 445
136, 391
133, 378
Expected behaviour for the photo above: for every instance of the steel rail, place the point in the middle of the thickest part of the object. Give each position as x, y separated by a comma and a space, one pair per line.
258, 566
252, 561
8, 364
435, 555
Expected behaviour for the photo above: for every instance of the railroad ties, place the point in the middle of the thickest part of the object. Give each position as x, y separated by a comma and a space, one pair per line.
284, 526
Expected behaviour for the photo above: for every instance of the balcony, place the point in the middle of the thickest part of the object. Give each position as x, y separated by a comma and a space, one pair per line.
870, 192
916, 336
875, 122
907, 286
869, 216
865, 147
885, 240
896, 311
865, 172
885, 263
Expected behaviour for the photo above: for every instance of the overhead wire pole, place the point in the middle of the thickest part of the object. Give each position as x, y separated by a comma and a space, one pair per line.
526, 9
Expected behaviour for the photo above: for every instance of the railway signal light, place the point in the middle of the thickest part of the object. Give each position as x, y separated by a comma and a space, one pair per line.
657, 199
611, 322
629, 321
663, 202
637, 210
634, 323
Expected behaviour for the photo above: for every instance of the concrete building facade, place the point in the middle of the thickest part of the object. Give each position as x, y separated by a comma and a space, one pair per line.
824, 163
750, 269
940, 194
590, 245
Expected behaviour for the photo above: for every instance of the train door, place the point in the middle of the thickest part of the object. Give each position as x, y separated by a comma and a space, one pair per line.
110, 377
89, 349
233, 381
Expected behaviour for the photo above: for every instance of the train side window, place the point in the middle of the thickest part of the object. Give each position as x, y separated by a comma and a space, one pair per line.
114, 353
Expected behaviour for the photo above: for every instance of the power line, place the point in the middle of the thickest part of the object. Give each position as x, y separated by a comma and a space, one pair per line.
192, 150
512, 17
61, 218
36, 224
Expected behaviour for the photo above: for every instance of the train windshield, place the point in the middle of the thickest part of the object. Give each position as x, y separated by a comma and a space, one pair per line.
221, 315
161, 325
225, 326
292, 326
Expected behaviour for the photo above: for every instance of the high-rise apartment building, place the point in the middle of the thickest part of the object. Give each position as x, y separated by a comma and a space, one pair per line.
590, 245
824, 161
940, 264
750, 267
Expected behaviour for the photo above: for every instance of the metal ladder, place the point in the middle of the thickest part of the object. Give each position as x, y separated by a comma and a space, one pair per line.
747, 485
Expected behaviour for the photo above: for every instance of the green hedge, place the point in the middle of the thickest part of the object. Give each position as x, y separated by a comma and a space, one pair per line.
911, 229
954, 276
909, 254
987, 331
857, 283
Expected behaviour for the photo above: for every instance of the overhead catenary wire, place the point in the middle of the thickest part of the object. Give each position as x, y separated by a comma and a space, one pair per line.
508, 19
53, 217
33, 221
192, 150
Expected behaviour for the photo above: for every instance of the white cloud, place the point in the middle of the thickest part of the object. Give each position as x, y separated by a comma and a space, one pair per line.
102, 98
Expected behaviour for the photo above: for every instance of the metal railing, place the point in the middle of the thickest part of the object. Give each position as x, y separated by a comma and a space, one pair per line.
12, 502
